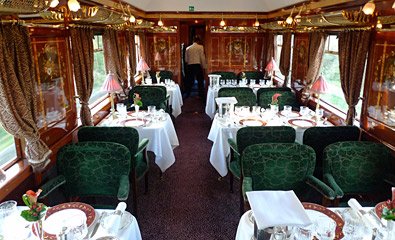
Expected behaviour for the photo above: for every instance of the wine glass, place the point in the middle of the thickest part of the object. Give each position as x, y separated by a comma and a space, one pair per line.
7, 212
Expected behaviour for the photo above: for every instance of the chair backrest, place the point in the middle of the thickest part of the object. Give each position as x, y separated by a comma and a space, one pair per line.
248, 136
150, 95
245, 96
93, 168
264, 96
320, 137
252, 75
357, 166
278, 166
225, 75
127, 136
163, 74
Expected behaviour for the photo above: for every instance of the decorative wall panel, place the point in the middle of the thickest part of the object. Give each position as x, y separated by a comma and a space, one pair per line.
300, 56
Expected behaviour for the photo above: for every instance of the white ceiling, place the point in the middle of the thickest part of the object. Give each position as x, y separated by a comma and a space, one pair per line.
212, 5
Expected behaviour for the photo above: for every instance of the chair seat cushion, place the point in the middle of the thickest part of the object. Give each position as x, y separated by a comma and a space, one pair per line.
141, 166
234, 168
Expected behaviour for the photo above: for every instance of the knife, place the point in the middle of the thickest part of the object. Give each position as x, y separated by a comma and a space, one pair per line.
97, 224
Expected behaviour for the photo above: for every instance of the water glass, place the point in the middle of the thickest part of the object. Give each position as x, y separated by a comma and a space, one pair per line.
325, 228
7, 211
304, 232
287, 110
256, 110
304, 110
151, 109
121, 108
222, 82
319, 113
261, 82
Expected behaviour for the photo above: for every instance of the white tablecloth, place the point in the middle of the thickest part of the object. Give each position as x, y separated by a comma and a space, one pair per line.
212, 93
175, 99
220, 132
20, 229
162, 139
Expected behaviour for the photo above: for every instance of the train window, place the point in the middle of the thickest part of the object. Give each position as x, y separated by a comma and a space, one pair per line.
7, 147
99, 69
278, 45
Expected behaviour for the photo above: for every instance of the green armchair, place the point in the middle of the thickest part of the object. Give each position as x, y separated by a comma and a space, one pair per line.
163, 74
358, 167
129, 137
264, 96
245, 96
91, 169
150, 96
320, 137
280, 166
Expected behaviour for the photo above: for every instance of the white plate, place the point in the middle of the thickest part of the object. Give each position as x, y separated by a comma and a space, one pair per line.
252, 122
54, 223
134, 122
290, 114
303, 123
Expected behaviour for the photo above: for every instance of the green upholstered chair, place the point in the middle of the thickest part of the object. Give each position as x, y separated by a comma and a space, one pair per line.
252, 135
358, 167
225, 75
245, 96
163, 74
150, 96
91, 169
320, 137
280, 166
264, 97
256, 75
128, 137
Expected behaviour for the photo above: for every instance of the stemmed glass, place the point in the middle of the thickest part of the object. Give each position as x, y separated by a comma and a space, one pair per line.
7, 211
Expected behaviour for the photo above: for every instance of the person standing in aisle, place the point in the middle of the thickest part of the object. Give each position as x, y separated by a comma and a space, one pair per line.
196, 62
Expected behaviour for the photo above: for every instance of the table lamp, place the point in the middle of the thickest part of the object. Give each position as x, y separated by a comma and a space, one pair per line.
111, 85
319, 87
142, 67
271, 67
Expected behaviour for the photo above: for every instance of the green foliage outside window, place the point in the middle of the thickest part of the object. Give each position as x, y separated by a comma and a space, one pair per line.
7, 147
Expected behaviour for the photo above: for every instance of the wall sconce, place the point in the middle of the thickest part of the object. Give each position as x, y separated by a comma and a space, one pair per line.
379, 25
256, 24
54, 3
393, 5
222, 23
368, 8
74, 5
160, 23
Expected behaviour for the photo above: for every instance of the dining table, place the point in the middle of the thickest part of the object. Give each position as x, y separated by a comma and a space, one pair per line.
212, 94
175, 96
226, 127
16, 227
157, 127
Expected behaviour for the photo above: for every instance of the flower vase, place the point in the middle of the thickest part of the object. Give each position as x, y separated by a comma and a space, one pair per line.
38, 229
274, 108
136, 108
390, 229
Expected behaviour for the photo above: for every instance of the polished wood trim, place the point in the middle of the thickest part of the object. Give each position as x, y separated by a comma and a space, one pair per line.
16, 175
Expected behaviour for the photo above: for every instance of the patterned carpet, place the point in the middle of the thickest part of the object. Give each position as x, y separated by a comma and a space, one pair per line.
189, 201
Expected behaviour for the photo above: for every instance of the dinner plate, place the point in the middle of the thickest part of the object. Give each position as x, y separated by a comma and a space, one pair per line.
292, 114
134, 114
57, 214
134, 122
302, 123
314, 210
252, 122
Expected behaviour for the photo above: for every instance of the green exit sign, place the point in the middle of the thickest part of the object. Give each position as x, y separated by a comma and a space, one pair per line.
191, 8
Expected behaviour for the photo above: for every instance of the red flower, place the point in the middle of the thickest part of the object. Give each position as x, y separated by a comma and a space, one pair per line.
275, 98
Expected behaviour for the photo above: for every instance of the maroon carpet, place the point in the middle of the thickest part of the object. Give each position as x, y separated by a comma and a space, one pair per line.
189, 201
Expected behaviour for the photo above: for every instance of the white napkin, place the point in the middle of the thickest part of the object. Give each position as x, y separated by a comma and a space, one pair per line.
114, 220
224, 100
277, 208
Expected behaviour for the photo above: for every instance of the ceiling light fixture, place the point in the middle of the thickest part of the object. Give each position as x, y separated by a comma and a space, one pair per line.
379, 25
160, 23
289, 19
298, 18
74, 5
368, 8
256, 24
222, 23
132, 19
54, 3
393, 5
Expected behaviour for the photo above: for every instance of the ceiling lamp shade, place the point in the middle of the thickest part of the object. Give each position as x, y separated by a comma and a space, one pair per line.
111, 84
369, 7
160, 23
54, 3
272, 66
256, 24
74, 5
222, 23
320, 86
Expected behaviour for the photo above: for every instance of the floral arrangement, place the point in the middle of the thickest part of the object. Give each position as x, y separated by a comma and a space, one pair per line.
137, 100
36, 210
389, 210
275, 98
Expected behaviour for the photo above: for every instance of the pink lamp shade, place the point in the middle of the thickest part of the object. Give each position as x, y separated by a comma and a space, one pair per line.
111, 84
320, 85
142, 66
272, 66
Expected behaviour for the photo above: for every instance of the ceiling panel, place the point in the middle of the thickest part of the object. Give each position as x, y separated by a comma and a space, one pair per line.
212, 5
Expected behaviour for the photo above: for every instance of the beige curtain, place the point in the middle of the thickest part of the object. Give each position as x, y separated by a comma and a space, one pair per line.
131, 46
353, 48
316, 52
114, 58
18, 103
285, 57
267, 48
82, 52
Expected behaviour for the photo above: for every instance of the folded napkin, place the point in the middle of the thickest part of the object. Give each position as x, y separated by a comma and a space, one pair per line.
277, 208
224, 100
